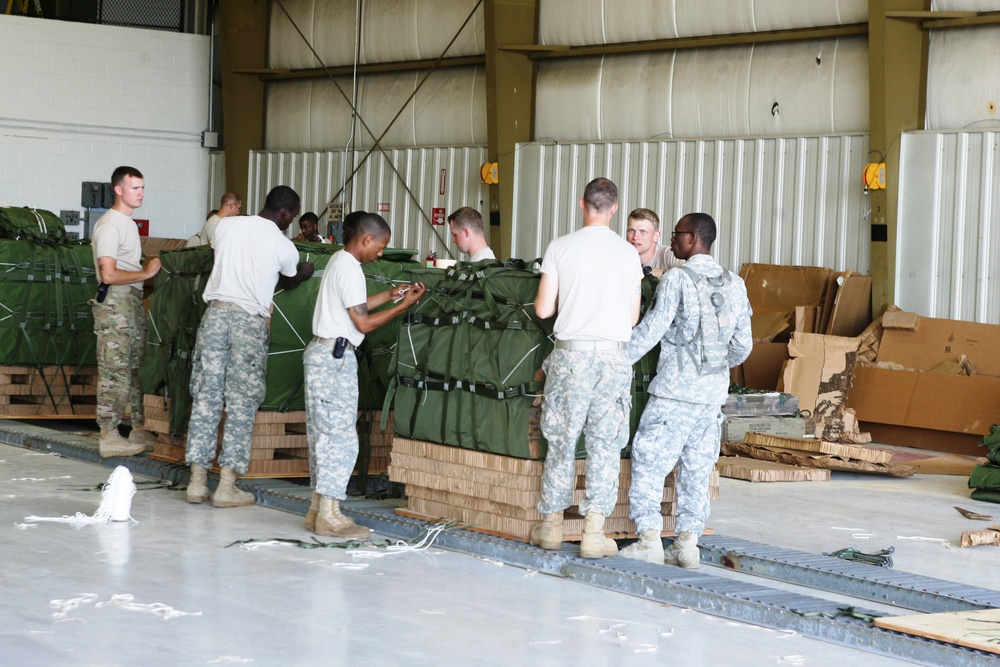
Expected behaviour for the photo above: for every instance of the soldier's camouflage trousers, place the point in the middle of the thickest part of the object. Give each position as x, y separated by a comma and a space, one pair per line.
120, 326
669, 431
228, 370
331, 418
588, 392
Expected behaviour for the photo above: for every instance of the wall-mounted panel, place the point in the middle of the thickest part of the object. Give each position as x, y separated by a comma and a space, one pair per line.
792, 201
948, 262
403, 185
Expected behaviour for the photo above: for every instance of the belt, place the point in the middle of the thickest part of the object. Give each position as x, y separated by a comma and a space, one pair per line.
330, 342
228, 305
125, 289
592, 345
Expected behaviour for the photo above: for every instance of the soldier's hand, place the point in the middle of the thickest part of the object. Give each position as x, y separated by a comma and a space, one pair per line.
306, 269
412, 295
153, 267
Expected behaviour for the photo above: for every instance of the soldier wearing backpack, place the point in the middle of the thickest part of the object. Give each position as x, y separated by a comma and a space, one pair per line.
701, 318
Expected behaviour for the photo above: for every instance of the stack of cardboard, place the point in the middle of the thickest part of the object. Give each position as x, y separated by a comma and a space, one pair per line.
803, 299
815, 453
499, 494
935, 383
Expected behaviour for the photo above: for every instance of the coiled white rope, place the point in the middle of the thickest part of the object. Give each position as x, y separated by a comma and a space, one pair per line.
116, 502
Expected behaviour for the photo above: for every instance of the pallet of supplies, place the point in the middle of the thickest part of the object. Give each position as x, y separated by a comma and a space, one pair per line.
815, 453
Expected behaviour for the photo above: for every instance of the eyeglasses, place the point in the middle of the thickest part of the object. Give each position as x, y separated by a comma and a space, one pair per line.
674, 234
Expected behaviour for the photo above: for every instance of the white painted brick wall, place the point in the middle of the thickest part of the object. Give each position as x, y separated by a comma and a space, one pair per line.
78, 100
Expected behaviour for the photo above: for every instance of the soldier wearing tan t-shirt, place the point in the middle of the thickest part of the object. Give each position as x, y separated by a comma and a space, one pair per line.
119, 320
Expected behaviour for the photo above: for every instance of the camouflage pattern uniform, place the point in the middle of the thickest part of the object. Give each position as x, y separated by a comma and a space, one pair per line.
120, 326
683, 418
229, 367
331, 418
585, 391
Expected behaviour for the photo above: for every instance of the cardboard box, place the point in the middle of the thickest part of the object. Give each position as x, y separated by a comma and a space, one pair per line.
735, 428
915, 399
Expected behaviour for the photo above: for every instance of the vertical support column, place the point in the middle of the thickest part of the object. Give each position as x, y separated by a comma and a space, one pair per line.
243, 33
897, 63
510, 102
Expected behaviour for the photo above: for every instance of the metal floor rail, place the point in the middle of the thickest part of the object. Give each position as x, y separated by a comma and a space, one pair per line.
700, 590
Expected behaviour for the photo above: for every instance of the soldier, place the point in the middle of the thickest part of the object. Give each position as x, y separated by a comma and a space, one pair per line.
644, 234
701, 318
119, 320
229, 206
230, 354
309, 229
593, 276
468, 233
340, 322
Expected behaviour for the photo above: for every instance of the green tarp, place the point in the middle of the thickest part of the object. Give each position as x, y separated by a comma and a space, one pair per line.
176, 309
985, 479
44, 315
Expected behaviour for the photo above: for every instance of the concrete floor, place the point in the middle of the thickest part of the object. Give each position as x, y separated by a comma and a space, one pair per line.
281, 605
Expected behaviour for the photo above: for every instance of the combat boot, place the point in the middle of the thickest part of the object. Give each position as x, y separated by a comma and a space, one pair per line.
594, 544
197, 490
140, 436
548, 533
684, 551
648, 549
227, 495
330, 522
113, 444
311, 514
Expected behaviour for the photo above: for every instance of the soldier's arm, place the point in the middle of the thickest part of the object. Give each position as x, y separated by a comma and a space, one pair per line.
367, 321
742, 341
657, 321
110, 274
547, 297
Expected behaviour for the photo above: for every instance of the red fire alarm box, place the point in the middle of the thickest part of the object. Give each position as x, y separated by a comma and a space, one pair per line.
143, 226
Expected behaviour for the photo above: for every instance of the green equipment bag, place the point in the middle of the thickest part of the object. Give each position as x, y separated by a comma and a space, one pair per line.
992, 443
31, 224
44, 315
986, 478
175, 311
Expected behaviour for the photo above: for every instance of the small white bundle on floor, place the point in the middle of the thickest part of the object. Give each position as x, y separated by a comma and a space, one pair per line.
116, 502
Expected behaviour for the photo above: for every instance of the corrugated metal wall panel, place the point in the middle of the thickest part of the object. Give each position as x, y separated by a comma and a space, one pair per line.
441, 177
948, 260
216, 178
777, 200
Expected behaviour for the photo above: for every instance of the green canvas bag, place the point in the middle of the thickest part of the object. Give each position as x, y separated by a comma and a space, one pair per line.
31, 224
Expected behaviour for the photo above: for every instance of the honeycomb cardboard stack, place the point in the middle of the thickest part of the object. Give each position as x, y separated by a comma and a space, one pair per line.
499, 494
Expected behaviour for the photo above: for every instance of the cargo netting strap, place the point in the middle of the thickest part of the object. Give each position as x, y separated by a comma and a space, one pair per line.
479, 388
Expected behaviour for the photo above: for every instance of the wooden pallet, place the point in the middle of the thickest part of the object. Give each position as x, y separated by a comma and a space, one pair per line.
499, 494
279, 447
50, 392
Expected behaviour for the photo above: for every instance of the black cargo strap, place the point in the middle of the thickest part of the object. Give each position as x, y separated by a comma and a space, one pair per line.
485, 389
456, 319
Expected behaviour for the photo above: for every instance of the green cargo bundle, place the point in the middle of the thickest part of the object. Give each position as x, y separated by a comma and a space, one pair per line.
176, 309
985, 479
44, 315
291, 331
31, 224
469, 354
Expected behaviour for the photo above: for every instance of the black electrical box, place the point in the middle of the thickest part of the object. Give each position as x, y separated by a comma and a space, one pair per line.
97, 195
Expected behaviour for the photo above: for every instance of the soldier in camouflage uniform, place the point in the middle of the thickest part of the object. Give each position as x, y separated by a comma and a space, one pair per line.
119, 319
230, 354
593, 276
340, 322
683, 417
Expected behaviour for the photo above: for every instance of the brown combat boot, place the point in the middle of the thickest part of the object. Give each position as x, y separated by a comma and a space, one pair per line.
113, 444
548, 533
593, 543
197, 490
330, 522
227, 495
